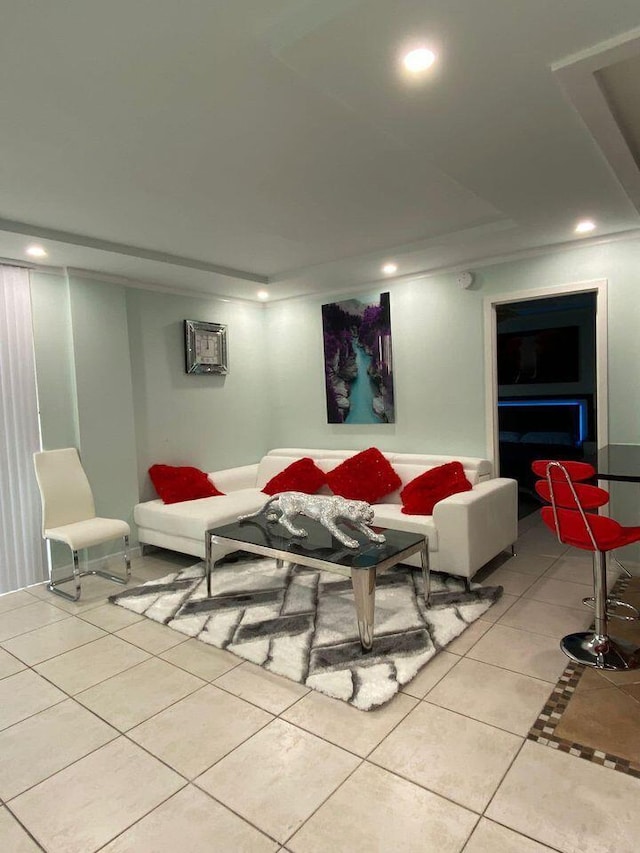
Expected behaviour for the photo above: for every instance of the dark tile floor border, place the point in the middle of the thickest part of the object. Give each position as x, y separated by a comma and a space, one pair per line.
544, 727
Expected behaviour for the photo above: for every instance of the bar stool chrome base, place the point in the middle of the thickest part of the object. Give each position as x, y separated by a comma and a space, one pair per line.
602, 652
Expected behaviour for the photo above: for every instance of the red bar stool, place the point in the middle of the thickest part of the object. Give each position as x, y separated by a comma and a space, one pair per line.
569, 519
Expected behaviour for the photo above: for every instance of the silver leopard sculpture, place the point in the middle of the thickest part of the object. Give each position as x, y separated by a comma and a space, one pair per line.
327, 509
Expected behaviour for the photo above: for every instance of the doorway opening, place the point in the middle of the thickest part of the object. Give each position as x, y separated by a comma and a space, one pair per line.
548, 381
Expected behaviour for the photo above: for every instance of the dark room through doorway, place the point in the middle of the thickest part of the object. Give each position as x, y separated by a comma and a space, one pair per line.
547, 385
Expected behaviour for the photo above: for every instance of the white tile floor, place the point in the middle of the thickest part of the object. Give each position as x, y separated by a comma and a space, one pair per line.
120, 735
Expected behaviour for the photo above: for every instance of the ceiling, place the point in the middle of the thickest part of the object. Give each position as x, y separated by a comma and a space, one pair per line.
228, 146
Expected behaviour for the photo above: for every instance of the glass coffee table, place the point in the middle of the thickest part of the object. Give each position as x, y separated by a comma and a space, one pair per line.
320, 550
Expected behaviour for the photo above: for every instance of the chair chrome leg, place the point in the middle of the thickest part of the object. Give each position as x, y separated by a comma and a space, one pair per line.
55, 588
127, 567
596, 648
618, 563
513, 550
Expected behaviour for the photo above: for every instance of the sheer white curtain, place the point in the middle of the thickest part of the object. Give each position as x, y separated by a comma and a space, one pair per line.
21, 549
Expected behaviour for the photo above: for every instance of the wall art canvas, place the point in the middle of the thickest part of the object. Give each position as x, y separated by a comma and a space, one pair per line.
358, 362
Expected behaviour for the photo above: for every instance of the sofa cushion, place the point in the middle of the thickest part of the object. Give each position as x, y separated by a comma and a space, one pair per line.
367, 476
176, 483
191, 518
269, 466
301, 476
390, 515
420, 495
476, 470
407, 473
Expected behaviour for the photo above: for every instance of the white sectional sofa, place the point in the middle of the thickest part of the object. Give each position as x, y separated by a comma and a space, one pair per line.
465, 531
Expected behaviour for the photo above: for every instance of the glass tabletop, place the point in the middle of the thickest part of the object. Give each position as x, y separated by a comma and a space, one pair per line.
320, 544
619, 462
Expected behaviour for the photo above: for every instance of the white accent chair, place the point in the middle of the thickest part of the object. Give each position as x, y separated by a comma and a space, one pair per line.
69, 514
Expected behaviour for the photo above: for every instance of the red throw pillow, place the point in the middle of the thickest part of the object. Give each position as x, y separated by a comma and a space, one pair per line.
420, 495
303, 475
367, 476
181, 483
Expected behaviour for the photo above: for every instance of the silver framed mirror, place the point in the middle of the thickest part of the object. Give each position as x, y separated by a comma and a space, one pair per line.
205, 347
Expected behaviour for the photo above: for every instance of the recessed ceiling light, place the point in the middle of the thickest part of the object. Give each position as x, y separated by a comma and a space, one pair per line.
36, 251
584, 226
390, 268
263, 294
419, 59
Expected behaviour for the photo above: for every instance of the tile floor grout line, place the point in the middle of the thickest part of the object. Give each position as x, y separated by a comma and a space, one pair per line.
514, 831
115, 728
468, 838
208, 680
424, 787
26, 828
535, 633
115, 737
6, 612
30, 630
206, 770
325, 800
339, 746
102, 680
493, 796
121, 734
275, 714
503, 777
473, 719
72, 649
237, 814
72, 697
191, 783
137, 820
506, 669
361, 760
35, 714
155, 714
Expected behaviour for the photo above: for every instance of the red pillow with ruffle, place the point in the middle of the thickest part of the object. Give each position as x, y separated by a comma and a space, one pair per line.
367, 476
303, 475
175, 483
422, 494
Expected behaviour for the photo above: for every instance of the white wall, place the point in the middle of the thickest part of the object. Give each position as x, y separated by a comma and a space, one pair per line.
210, 421
84, 388
53, 345
438, 351
619, 263
104, 394
111, 381
438, 372
136, 406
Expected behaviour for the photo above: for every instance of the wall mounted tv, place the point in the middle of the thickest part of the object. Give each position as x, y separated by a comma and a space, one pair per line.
539, 356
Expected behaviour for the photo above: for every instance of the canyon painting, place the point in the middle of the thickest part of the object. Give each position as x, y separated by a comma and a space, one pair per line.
358, 361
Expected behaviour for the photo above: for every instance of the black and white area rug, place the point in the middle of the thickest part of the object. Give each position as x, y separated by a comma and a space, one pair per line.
301, 623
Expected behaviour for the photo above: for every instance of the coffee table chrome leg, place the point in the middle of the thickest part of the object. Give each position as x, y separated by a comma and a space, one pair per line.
364, 592
426, 573
207, 561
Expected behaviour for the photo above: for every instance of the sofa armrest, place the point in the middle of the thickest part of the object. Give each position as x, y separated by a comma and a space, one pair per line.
473, 527
232, 479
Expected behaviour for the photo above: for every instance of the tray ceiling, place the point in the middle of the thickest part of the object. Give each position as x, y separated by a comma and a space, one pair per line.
223, 147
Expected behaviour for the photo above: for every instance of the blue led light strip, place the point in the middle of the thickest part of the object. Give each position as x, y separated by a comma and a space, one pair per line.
581, 405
